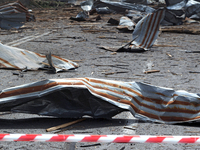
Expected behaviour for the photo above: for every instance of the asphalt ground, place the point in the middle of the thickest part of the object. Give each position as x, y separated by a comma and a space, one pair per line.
79, 41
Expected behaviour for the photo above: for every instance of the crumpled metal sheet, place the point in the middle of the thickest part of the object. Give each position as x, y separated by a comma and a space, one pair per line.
192, 9
147, 29
104, 10
100, 98
16, 58
174, 14
173, 2
126, 23
87, 5
14, 15
122, 6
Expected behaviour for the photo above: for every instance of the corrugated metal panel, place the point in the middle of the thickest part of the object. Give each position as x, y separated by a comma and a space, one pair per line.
16, 58
144, 101
13, 15
147, 29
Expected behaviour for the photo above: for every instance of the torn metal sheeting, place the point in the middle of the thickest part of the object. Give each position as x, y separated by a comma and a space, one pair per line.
172, 2
104, 10
147, 29
122, 6
16, 58
145, 2
192, 9
87, 5
14, 15
126, 23
135, 15
81, 16
174, 14
100, 98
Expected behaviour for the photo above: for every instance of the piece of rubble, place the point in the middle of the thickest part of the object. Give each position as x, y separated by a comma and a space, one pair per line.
20, 59
14, 15
100, 98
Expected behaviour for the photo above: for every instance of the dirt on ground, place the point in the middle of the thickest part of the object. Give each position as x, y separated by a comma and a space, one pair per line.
79, 41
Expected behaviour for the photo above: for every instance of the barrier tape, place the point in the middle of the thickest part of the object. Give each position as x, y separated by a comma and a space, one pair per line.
99, 138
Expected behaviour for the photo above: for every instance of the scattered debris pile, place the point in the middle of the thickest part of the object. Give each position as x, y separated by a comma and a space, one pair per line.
16, 58
14, 15
99, 98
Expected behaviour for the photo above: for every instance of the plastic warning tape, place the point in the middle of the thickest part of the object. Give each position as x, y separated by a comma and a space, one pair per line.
99, 138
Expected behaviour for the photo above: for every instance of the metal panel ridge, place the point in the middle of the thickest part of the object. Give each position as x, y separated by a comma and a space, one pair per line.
147, 29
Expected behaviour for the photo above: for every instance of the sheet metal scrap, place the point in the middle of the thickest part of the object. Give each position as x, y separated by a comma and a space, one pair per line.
190, 8
13, 15
15, 58
193, 9
147, 29
126, 23
122, 6
76, 97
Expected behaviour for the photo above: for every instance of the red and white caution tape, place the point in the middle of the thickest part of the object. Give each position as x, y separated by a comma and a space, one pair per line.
99, 138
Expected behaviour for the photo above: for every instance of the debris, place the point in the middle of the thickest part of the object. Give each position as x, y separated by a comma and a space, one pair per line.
192, 9
64, 125
121, 49
26, 39
126, 24
18, 74
103, 10
144, 35
82, 16
16, 58
169, 55
136, 16
151, 71
113, 21
110, 73
172, 2
107, 37
122, 148
14, 15
114, 53
194, 71
188, 51
122, 6
174, 14
87, 5
188, 29
163, 45
99, 30
98, 144
100, 98
130, 127
192, 131
147, 29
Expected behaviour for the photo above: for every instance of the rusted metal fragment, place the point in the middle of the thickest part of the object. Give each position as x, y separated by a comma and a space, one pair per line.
16, 58
100, 98
14, 15
147, 30
122, 6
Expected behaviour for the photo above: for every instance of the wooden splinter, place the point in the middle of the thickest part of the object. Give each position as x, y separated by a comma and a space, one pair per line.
64, 125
